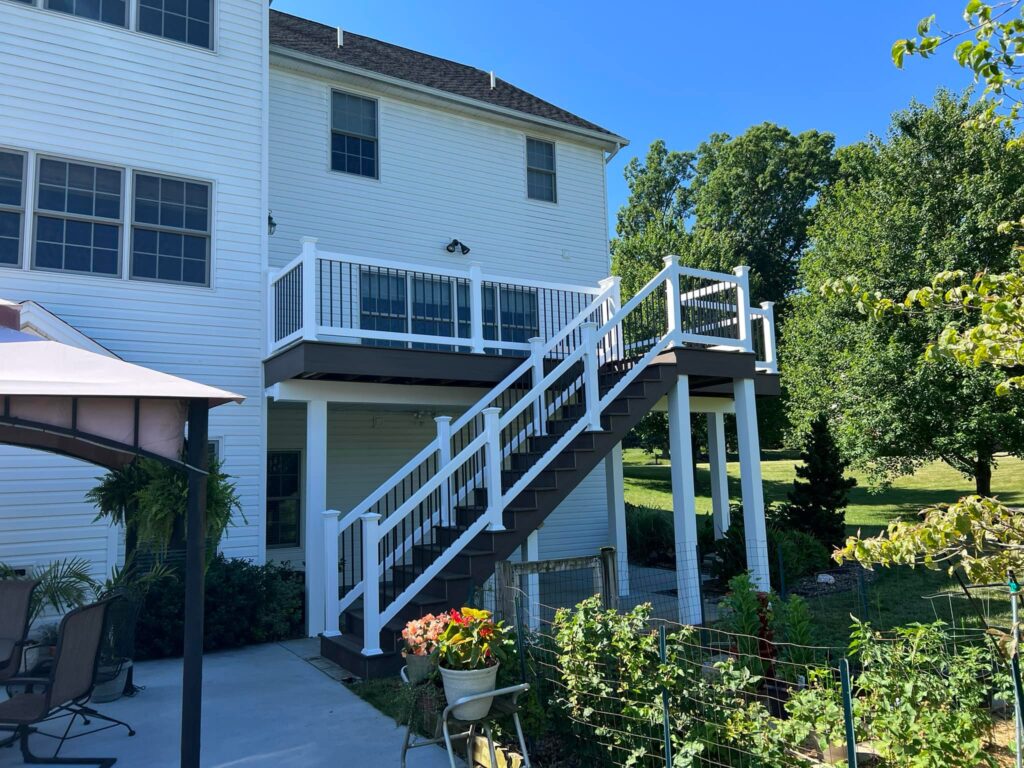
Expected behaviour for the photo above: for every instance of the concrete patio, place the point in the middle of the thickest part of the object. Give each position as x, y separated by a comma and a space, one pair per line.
263, 706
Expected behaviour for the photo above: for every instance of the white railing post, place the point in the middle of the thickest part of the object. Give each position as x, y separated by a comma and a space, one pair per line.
444, 455
495, 508
540, 410
271, 310
768, 329
309, 295
613, 285
332, 617
371, 585
476, 307
743, 307
591, 383
673, 301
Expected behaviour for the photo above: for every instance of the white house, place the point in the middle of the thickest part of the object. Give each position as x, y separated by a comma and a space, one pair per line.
438, 368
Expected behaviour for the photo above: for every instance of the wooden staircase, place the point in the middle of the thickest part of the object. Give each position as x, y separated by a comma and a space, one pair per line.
474, 564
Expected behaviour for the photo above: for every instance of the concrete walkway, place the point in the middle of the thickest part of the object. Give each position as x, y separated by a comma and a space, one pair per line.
263, 706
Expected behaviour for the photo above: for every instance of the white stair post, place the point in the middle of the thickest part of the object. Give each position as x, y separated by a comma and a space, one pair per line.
750, 482
591, 383
613, 284
540, 411
614, 491
309, 294
444, 455
495, 508
719, 474
371, 585
684, 502
476, 307
743, 307
673, 299
332, 616
314, 503
768, 329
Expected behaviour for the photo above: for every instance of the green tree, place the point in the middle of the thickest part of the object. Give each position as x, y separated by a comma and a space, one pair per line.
753, 203
817, 502
928, 198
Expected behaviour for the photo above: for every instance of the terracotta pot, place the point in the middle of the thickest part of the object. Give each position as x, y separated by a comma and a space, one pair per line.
469, 682
419, 668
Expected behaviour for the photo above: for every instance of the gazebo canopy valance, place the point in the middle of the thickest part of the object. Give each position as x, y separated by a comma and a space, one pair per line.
63, 399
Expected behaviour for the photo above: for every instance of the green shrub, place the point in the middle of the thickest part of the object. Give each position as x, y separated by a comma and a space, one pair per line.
245, 604
801, 553
650, 536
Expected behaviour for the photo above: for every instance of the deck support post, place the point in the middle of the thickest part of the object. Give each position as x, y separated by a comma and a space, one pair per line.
754, 527
530, 552
684, 502
616, 499
315, 503
719, 475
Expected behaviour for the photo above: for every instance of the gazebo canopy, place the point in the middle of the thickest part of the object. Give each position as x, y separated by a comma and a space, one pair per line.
78, 403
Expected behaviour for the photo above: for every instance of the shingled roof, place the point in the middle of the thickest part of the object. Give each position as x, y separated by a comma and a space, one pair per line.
320, 40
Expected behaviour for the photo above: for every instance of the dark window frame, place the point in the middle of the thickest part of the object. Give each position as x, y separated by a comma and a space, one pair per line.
375, 138
296, 497
39, 212
48, 5
18, 210
183, 231
551, 172
210, 22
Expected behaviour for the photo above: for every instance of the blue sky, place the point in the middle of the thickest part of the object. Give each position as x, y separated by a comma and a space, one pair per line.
677, 70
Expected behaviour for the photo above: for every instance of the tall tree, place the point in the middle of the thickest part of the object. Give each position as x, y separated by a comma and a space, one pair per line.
926, 199
753, 200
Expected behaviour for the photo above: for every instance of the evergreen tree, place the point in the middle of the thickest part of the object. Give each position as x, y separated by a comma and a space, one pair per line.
817, 503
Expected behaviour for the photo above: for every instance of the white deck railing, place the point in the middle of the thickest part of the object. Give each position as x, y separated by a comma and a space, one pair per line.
679, 307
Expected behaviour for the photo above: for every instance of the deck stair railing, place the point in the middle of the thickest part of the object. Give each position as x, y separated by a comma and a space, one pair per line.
380, 542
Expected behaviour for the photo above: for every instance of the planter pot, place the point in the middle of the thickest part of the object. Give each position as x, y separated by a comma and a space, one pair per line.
469, 682
419, 668
112, 689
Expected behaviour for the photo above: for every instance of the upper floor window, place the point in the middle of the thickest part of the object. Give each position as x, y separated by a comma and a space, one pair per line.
540, 170
187, 21
107, 11
78, 217
171, 230
12, 206
353, 134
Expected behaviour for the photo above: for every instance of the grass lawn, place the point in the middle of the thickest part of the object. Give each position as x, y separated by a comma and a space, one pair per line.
897, 596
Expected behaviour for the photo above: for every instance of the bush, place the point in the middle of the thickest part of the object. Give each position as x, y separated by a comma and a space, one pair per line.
245, 604
802, 554
650, 536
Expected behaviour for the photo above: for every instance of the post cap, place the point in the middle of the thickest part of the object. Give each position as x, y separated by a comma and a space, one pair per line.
330, 513
670, 260
307, 240
442, 419
741, 270
374, 516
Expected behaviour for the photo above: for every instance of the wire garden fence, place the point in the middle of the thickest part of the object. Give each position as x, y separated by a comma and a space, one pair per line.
621, 686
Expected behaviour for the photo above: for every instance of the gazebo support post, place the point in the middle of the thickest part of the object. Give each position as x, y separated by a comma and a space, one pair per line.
195, 573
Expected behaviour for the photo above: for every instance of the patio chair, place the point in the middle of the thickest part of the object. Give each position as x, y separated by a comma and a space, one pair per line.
15, 612
66, 689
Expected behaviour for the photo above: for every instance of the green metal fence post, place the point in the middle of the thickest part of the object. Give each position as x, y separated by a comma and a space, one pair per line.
851, 734
666, 725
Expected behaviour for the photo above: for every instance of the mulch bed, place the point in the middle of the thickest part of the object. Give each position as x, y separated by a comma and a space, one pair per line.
847, 579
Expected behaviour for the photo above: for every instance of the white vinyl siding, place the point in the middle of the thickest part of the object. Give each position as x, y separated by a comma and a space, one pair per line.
442, 175
186, 114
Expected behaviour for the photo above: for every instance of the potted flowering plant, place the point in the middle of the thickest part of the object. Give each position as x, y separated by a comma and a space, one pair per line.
421, 637
469, 652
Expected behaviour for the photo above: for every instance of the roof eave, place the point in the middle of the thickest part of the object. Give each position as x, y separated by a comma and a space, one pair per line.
609, 142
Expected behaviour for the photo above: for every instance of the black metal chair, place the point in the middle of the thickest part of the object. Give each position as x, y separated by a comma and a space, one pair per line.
66, 690
15, 612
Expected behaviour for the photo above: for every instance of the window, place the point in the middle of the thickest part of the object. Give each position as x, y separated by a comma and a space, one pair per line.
12, 205
107, 11
171, 230
187, 21
353, 134
78, 218
540, 170
431, 308
283, 498
382, 305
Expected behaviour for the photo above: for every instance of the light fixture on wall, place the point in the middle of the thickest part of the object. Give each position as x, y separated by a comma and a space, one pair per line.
456, 244
271, 224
